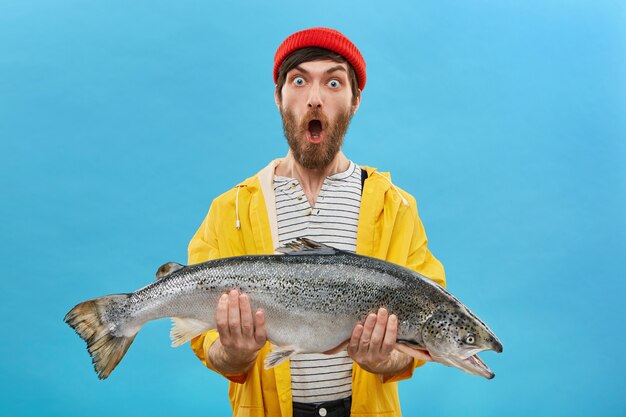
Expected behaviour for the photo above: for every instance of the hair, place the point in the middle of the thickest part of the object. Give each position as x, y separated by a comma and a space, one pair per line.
308, 54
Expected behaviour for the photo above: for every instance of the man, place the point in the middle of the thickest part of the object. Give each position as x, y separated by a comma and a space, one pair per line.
314, 192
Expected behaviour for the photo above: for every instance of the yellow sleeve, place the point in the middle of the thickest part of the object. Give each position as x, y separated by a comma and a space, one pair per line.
421, 260
204, 247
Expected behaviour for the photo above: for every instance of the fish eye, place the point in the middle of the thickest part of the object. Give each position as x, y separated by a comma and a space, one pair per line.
470, 339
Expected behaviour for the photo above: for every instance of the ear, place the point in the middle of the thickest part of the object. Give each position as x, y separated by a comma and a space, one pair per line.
356, 105
276, 98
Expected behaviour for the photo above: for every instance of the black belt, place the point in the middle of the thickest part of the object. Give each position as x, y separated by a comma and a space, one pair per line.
337, 408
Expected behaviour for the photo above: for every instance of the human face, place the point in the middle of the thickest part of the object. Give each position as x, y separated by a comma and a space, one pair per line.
316, 109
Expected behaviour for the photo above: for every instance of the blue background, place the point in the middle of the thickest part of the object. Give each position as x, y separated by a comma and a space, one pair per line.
121, 120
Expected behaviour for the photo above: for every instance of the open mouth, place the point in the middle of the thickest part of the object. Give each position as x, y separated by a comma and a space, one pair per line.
471, 364
315, 131
476, 366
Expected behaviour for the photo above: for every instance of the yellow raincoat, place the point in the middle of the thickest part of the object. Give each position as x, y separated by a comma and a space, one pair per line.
240, 222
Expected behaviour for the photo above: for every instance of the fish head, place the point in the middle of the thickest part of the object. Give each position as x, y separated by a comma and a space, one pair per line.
453, 336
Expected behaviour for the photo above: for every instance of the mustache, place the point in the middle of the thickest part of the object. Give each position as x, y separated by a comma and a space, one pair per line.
314, 114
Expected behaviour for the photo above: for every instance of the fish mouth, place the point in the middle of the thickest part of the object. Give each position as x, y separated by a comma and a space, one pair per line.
472, 364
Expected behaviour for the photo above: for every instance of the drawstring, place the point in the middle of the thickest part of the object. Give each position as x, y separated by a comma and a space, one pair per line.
404, 201
237, 222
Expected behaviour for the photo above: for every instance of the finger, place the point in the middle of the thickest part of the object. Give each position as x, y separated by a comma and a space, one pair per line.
234, 316
260, 332
378, 333
353, 345
221, 316
391, 333
366, 336
247, 326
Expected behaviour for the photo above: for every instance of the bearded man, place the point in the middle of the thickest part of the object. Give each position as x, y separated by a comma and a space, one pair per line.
315, 191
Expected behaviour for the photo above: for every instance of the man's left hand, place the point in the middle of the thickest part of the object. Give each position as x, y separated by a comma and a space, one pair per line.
372, 344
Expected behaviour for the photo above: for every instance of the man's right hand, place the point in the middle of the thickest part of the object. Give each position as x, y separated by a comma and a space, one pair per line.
242, 334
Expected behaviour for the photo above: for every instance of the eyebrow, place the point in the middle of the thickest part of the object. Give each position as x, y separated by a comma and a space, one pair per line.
336, 68
328, 71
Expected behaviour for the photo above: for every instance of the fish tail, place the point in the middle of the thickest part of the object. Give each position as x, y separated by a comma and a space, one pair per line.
92, 323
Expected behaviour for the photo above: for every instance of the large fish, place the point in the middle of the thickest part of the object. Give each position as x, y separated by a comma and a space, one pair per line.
312, 296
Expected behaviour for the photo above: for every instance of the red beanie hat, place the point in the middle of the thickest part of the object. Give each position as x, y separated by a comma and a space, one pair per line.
322, 38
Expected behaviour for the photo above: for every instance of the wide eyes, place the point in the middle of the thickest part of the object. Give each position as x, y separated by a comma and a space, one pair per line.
334, 84
470, 339
300, 81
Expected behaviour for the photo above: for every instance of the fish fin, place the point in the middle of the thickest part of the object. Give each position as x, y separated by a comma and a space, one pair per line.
89, 320
185, 329
168, 269
416, 353
338, 348
304, 246
278, 355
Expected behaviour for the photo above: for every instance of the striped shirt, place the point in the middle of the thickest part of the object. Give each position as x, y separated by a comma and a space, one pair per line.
333, 221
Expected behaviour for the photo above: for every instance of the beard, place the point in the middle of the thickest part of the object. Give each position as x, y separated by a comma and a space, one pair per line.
315, 155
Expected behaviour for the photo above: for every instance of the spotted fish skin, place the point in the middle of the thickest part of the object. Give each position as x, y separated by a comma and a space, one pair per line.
312, 297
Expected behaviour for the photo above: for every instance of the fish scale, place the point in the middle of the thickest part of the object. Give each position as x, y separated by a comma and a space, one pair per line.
312, 296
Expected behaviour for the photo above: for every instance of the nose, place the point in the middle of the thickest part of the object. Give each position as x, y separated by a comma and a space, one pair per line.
497, 346
315, 97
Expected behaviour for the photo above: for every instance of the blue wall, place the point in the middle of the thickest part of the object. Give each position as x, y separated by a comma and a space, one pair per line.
120, 121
